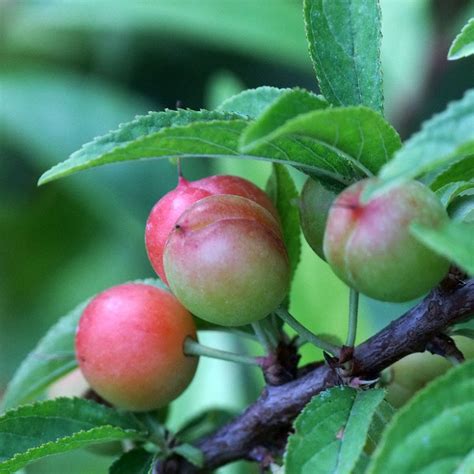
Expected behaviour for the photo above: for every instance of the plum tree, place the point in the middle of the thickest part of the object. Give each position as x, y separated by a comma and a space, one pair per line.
370, 247
169, 208
226, 261
129, 346
315, 201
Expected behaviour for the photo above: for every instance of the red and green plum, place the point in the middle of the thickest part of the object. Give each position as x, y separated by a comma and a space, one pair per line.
129, 346
226, 261
370, 247
170, 207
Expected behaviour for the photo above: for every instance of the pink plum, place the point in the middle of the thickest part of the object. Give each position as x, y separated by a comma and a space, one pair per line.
129, 346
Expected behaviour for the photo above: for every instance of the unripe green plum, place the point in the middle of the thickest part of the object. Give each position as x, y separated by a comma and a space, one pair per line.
413, 372
370, 247
226, 261
129, 346
315, 201
169, 208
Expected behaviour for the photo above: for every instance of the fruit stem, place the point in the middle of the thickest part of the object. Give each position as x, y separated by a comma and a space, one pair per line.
193, 348
178, 165
263, 336
353, 313
305, 334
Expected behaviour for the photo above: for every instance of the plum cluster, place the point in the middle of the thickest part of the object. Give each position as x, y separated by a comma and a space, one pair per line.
218, 244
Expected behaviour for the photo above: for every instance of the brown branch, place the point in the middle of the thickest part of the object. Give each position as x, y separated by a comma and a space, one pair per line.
265, 424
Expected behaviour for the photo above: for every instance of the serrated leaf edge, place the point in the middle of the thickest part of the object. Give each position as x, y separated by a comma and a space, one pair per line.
454, 56
50, 174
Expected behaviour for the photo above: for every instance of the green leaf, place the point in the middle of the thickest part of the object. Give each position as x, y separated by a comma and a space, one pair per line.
454, 240
52, 358
158, 134
252, 102
344, 43
463, 44
433, 432
190, 453
462, 208
204, 424
449, 192
55, 426
441, 140
282, 190
331, 431
287, 106
459, 170
343, 144
136, 461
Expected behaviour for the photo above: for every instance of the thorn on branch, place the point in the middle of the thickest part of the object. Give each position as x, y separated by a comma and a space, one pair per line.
453, 280
445, 346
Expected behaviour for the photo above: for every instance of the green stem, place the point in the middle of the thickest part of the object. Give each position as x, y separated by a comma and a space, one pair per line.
262, 336
353, 312
193, 348
305, 334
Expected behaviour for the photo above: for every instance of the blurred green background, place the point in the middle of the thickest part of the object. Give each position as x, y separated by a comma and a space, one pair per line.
72, 70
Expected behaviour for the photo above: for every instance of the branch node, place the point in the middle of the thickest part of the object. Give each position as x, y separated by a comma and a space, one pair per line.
281, 366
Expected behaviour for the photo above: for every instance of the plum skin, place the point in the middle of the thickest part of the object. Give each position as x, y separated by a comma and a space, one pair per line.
370, 247
129, 346
226, 261
169, 208
315, 202
163, 217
